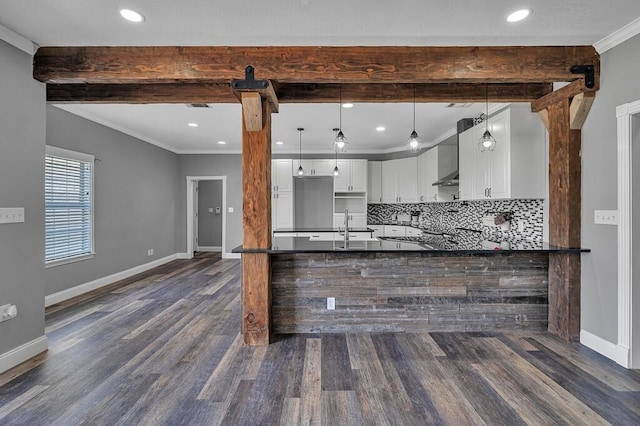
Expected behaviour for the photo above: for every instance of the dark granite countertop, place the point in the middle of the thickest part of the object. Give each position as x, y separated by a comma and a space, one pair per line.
434, 244
320, 230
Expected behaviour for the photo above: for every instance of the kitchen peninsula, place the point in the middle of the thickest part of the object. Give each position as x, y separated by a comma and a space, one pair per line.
395, 284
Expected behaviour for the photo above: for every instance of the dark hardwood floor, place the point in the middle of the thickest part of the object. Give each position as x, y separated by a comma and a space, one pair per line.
164, 348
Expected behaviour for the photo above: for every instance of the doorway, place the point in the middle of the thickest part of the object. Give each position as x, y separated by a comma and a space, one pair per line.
206, 214
629, 234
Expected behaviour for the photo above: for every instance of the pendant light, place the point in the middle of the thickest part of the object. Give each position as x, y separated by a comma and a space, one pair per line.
414, 144
336, 171
487, 142
340, 142
300, 169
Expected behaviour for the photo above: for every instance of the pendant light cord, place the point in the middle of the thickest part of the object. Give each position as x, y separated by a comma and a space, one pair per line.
486, 97
340, 106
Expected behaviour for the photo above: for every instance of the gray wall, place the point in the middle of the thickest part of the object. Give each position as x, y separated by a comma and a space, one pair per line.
136, 196
209, 223
229, 165
619, 85
22, 143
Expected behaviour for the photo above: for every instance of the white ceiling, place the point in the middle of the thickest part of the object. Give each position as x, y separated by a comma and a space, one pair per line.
304, 22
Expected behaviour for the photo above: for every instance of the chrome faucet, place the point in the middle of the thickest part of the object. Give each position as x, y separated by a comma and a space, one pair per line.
346, 227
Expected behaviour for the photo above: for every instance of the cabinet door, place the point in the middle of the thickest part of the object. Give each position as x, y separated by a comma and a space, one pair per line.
342, 182
389, 181
283, 210
430, 192
282, 175
407, 186
499, 170
394, 231
466, 147
358, 175
358, 220
412, 232
323, 167
374, 182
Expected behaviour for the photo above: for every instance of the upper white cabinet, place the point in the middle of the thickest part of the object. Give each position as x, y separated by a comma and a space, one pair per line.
374, 182
400, 180
515, 168
281, 175
314, 167
427, 174
352, 177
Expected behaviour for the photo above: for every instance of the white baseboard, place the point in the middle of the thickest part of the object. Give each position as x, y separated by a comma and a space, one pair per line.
209, 248
232, 255
22, 353
614, 352
182, 256
69, 293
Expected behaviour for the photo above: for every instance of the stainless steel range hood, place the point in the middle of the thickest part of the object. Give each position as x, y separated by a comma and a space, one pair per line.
449, 177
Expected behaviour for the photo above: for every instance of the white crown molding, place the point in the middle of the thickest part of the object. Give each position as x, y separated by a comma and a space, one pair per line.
16, 40
619, 36
73, 110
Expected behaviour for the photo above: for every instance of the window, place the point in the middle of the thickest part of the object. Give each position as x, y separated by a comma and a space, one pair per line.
68, 206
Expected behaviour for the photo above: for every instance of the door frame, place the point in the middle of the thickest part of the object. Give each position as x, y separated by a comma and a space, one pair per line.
191, 185
625, 345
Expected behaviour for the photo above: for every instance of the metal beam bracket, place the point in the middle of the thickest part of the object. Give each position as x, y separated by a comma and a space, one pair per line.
589, 74
249, 82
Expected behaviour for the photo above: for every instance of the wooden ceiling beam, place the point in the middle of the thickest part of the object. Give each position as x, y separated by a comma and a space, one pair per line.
212, 93
310, 64
565, 92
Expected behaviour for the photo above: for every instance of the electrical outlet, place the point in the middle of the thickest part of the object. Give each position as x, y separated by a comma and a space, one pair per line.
150, 252
605, 217
8, 312
331, 303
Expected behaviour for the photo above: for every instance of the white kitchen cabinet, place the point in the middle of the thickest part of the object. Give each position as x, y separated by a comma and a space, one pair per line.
394, 231
374, 182
282, 194
314, 167
412, 232
427, 174
353, 176
356, 220
400, 181
282, 210
515, 168
378, 230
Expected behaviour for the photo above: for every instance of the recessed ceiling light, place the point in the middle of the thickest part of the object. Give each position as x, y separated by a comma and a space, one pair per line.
222, 143
131, 15
381, 128
192, 124
518, 15
279, 143
347, 105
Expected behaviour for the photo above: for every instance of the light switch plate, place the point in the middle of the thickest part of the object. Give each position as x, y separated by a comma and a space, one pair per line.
230, 209
12, 215
331, 303
605, 217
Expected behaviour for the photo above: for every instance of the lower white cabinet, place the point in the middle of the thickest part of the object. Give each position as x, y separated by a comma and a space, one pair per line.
394, 231
282, 210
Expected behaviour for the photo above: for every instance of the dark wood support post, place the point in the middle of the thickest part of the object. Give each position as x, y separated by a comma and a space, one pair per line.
256, 228
564, 221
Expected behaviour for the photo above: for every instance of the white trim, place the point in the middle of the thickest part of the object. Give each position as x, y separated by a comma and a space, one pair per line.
209, 248
617, 37
18, 41
625, 229
181, 256
191, 182
69, 293
22, 353
612, 351
232, 256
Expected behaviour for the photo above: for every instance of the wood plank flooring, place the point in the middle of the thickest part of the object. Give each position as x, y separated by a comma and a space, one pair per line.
163, 348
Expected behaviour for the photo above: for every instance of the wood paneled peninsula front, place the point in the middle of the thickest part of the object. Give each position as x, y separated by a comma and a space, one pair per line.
407, 285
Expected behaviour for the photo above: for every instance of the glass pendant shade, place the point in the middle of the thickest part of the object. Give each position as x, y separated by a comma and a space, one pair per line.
300, 169
487, 142
336, 172
340, 142
414, 143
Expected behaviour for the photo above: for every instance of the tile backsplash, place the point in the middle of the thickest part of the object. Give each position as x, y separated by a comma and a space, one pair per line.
526, 217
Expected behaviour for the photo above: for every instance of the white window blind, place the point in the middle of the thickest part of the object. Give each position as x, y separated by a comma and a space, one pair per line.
68, 205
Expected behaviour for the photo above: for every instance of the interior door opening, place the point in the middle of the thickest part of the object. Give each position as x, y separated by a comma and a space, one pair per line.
206, 214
